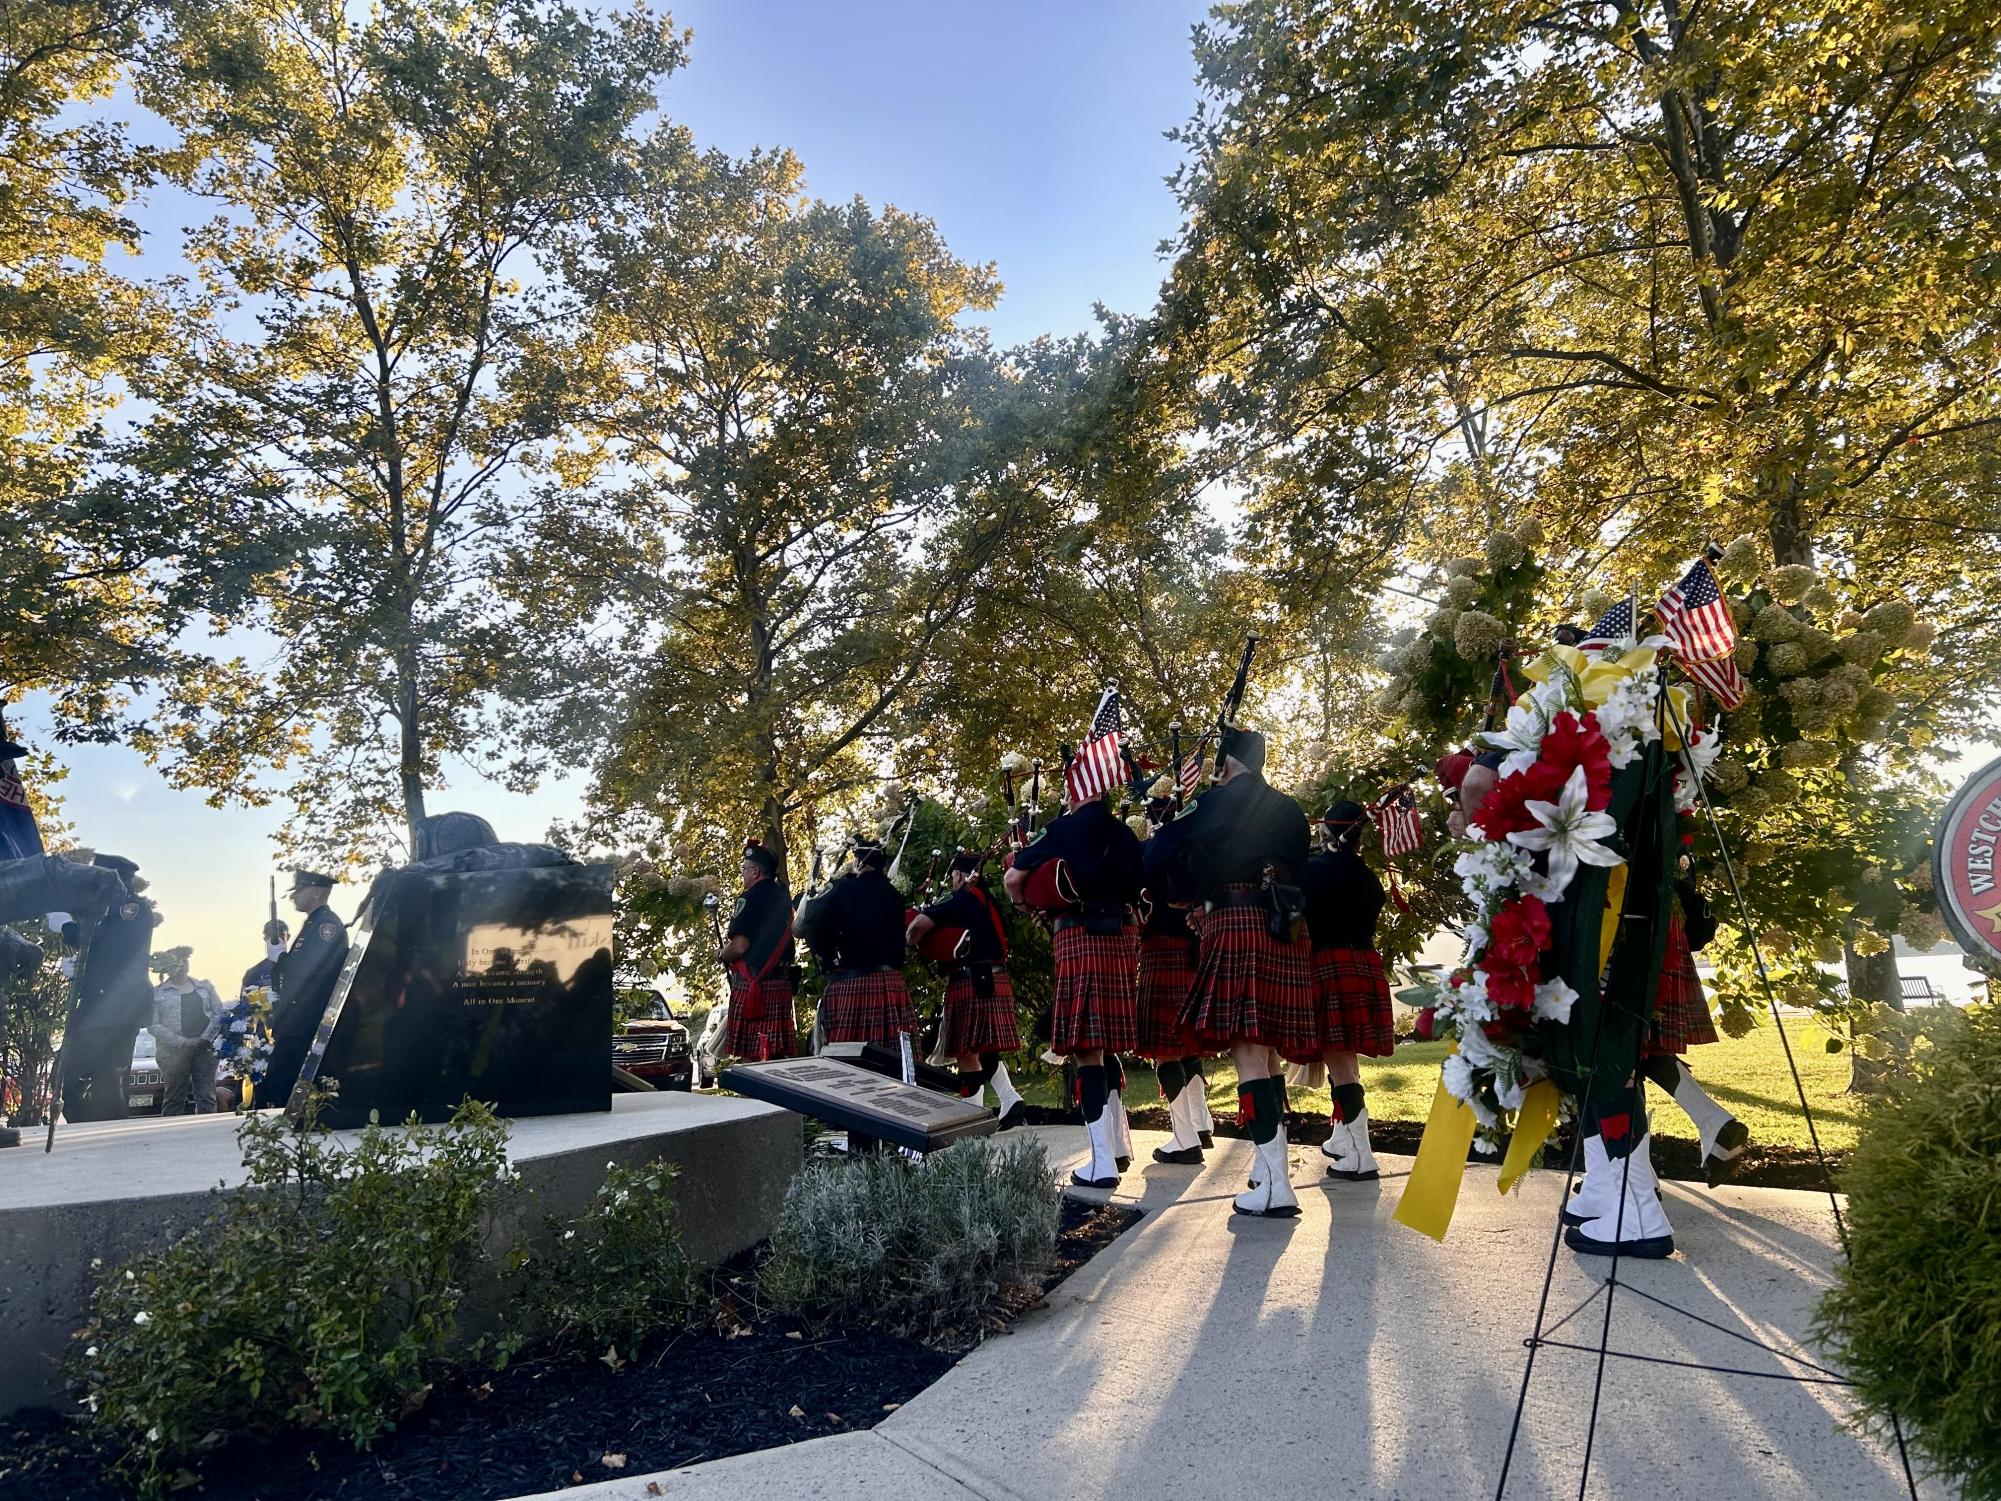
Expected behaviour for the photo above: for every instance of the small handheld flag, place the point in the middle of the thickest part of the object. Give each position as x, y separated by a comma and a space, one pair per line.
1097, 766
1696, 620
1402, 831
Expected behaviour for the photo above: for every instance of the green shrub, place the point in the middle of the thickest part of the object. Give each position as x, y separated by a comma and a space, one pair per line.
1916, 1312
914, 1246
616, 1277
320, 1302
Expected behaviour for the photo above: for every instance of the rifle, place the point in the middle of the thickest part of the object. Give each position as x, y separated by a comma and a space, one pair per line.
1234, 699
274, 902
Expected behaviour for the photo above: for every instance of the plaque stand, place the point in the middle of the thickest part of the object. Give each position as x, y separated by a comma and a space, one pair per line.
862, 1101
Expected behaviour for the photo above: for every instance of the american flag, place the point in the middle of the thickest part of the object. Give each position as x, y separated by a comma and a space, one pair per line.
1396, 816
1097, 766
1696, 620
1615, 625
1191, 768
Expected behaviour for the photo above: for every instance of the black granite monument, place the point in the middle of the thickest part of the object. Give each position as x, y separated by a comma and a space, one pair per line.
495, 984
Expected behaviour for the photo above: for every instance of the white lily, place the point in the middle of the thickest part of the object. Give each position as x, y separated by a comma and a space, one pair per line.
1569, 832
1521, 737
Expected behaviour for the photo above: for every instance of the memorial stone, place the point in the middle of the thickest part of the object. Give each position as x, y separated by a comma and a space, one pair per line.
495, 985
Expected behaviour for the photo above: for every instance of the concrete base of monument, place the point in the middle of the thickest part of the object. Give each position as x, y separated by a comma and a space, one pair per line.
113, 1189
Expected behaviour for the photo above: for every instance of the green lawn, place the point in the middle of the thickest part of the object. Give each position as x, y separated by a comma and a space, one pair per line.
1748, 1075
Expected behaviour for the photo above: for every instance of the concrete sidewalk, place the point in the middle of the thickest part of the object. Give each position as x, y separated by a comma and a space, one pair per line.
1340, 1355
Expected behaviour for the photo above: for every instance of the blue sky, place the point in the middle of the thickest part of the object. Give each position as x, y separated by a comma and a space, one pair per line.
1033, 133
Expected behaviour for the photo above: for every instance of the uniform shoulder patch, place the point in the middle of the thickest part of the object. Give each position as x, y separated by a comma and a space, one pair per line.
128, 911
327, 932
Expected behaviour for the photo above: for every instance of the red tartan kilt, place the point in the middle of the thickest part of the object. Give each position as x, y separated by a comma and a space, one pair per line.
1251, 987
867, 1008
766, 1029
1166, 975
973, 1025
1095, 1003
1681, 1010
1354, 994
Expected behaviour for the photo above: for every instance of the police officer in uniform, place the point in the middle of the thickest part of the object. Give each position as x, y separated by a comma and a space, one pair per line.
114, 1000
305, 981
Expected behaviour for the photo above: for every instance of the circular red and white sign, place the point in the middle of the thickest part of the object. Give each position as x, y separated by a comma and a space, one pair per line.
1966, 864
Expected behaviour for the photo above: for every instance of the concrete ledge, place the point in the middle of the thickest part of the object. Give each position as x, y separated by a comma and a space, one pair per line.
114, 1189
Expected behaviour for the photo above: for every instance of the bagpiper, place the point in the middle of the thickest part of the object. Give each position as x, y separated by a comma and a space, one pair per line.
979, 1025
1681, 1021
1084, 874
757, 956
1240, 850
1344, 899
855, 930
1167, 954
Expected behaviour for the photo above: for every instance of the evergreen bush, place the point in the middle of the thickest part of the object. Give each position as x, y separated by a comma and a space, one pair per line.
915, 1246
1916, 1312
320, 1302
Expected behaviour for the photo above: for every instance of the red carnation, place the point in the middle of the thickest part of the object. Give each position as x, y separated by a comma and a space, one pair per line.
1503, 812
1571, 743
1511, 989
1518, 933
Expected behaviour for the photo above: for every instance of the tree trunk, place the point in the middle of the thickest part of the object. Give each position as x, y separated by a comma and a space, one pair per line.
411, 766
774, 827
1871, 977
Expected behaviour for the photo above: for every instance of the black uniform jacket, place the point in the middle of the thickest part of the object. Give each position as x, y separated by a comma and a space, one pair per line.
856, 923
972, 908
1101, 853
114, 990
306, 974
1343, 899
763, 917
1226, 839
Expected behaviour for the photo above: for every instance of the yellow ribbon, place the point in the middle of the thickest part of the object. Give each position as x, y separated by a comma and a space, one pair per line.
1596, 677
1533, 1123
1432, 1192
1608, 925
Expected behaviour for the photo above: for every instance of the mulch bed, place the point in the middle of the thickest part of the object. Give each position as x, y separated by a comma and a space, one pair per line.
1674, 1156
541, 1425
